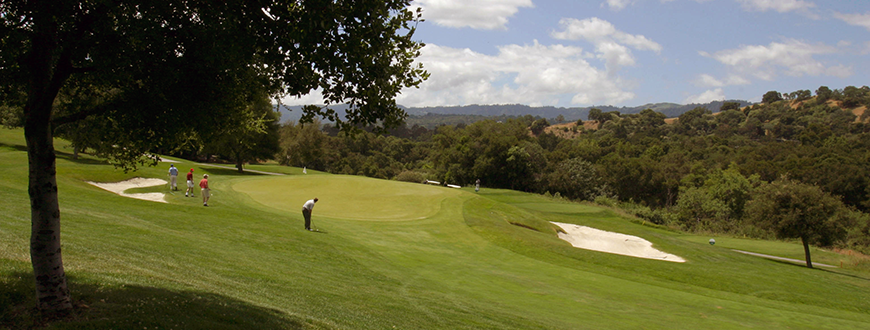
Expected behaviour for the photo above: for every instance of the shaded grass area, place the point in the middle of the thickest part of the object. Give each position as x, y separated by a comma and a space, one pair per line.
121, 306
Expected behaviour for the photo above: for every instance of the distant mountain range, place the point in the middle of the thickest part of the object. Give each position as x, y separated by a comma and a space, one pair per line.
293, 113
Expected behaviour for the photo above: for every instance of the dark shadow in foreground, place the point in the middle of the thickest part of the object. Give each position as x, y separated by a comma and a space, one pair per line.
136, 307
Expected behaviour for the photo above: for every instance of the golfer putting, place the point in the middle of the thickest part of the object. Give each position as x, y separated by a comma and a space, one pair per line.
306, 212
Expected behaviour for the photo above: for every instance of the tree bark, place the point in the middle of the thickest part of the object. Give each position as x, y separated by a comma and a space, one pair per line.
807, 252
47, 75
52, 292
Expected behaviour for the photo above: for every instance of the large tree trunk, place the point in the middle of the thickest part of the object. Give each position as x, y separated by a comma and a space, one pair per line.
47, 75
45, 255
807, 252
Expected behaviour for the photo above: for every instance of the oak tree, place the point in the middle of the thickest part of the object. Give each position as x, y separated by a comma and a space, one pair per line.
792, 209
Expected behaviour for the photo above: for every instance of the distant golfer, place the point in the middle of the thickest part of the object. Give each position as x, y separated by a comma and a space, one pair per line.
477, 185
306, 212
203, 184
189, 184
173, 177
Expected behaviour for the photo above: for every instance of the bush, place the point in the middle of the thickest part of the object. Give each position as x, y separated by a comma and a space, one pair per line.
648, 214
606, 201
410, 176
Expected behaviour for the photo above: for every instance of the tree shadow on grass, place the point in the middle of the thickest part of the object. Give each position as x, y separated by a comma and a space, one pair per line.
817, 267
16, 147
81, 159
137, 307
227, 172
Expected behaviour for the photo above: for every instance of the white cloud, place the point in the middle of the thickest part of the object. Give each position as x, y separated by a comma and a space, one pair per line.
862, 20
617, 5
611, 45
597, 30
780, 6
476, 14
313, 97
528, 74
706, 80
706, 97
839, 71
791, 57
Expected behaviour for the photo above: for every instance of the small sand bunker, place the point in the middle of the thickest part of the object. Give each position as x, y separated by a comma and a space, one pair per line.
120, 187
604, 241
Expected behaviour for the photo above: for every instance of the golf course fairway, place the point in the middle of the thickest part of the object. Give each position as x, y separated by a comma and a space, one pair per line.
389, 255
347, 197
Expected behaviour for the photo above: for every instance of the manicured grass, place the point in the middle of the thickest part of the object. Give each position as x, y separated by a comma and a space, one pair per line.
389, 254
347, 197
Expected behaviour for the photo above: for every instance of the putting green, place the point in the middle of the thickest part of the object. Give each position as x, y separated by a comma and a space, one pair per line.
348, 197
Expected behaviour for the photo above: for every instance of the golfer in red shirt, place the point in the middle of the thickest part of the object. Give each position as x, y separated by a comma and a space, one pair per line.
203, 184
189, 184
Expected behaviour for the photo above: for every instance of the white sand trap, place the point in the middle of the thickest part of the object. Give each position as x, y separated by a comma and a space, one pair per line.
120, 187
604, 241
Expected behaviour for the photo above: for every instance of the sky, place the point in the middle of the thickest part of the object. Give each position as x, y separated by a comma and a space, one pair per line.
580, 53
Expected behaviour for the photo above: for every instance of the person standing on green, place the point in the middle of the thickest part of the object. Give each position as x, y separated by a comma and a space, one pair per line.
306, 212
189, 184
173, 177
203, 185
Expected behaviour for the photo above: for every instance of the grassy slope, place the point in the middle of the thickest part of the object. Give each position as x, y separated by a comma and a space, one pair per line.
389, 254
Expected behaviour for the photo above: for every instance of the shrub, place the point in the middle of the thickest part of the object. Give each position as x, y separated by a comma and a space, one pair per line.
606, 201
410, 176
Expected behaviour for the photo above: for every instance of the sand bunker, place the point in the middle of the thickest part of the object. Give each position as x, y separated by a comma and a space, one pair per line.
604, 241
120, 187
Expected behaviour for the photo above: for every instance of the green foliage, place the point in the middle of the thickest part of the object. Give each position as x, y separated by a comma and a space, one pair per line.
698, 210
576, 178
795, 210
770, 97
824, 94
304, 145
729, 106
853, 96
698, 121
411, 176
799, 95
256, 139
11, 116
539, 125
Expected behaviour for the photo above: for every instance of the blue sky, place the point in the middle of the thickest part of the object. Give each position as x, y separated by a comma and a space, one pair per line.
578, 53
